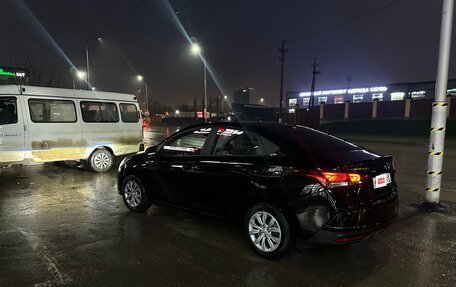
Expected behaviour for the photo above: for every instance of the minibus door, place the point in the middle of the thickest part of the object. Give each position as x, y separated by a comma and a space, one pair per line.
12, 138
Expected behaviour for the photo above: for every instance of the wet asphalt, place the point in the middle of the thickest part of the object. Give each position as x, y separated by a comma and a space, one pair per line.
69, 227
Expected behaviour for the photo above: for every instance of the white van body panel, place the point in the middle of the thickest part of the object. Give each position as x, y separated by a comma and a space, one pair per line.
28, 141
12, 138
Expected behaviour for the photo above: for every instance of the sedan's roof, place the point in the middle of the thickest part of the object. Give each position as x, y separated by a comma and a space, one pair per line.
304, 142
247, 124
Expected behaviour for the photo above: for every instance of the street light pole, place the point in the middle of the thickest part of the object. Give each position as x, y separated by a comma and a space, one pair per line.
196, 50
205, 93
439, 110
87, 66
147, 99
140, 78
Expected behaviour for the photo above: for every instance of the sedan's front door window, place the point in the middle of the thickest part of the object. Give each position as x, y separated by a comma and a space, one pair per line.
191, 143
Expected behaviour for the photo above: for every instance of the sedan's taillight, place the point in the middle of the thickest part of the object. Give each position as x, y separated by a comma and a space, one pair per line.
331, 179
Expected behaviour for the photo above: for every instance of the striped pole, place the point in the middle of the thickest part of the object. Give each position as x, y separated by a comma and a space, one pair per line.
439, 109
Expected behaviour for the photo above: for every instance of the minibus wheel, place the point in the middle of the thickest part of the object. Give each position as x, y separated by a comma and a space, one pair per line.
101, 160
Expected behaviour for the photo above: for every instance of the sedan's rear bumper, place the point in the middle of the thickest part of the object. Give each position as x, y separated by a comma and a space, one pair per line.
355, 225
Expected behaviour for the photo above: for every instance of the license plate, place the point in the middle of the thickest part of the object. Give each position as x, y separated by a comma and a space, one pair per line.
382, 180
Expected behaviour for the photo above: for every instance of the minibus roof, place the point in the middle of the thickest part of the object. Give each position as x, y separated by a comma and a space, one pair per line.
65, 93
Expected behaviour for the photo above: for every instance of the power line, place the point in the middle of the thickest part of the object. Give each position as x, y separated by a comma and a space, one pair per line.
211, 9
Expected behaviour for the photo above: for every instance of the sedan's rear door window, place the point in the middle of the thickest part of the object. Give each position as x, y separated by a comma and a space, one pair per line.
235, 141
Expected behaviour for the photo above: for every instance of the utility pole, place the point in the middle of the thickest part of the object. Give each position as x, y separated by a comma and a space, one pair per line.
195, 109
205, 93
312, 87
203, 105
349, 79
282, 51
211, 100
439, 111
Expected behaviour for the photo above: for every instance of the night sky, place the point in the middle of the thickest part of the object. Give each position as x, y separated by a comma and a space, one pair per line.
240, 38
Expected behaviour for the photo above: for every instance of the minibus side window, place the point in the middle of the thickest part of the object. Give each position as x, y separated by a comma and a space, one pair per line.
99, 112
8, 111
52, 111
129, 113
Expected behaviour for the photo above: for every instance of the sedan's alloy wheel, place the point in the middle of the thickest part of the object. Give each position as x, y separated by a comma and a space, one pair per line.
265, 231
132, 193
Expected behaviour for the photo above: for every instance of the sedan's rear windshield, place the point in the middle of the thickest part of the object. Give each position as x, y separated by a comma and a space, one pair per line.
319, 147
320, 142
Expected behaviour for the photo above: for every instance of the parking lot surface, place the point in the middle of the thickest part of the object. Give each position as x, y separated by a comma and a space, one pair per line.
69, 227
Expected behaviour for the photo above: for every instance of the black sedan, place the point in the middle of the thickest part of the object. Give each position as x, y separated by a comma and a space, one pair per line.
280, 181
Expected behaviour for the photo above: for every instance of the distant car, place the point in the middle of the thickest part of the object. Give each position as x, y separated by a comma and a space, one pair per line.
281, 181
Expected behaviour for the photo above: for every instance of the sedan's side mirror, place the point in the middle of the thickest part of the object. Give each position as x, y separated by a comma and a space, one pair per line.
152, 149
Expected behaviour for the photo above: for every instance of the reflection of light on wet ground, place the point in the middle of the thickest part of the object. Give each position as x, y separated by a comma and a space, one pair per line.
91, 193
426, 256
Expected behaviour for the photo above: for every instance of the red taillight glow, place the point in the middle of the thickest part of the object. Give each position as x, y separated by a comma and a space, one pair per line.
341, 177
335, 179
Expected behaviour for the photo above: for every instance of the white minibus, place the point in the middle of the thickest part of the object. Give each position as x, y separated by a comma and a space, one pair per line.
40, 124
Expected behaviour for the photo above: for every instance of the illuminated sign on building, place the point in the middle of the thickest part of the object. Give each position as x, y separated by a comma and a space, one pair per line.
12, 72
358, 98
377, 96
292, 102
451, 92
322, 100
345, 91
305, 102
397, 96
339, 99
418, 94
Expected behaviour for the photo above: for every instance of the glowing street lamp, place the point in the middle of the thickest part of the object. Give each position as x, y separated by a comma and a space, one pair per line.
81, 75
261, 100
196, 49
225, 99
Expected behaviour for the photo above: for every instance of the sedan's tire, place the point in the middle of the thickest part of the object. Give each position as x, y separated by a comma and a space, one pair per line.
268, 231
101, 160
134, 194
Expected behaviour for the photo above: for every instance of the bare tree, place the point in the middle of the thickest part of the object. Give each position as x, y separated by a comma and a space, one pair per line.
37, 76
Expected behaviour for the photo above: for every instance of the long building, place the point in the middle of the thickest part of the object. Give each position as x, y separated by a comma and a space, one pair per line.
391, 92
